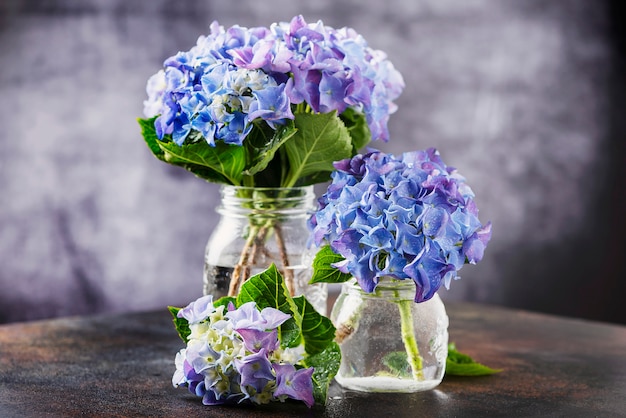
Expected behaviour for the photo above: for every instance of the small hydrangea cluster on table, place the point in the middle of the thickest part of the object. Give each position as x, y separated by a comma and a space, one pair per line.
261, 346
232, 357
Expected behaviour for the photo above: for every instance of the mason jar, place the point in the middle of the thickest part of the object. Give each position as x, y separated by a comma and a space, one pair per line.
388, 342
257, 227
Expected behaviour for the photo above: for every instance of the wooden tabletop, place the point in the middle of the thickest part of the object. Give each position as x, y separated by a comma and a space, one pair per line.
121, 365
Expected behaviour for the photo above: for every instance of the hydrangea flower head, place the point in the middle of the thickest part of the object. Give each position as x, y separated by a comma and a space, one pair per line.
407, 217
236, 77
234, 355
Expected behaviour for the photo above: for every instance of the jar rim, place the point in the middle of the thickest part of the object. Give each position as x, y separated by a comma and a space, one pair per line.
386, 285
266, 201
265, 189
246, 193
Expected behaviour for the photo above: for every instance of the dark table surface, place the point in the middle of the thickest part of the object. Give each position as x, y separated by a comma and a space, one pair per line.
121, 365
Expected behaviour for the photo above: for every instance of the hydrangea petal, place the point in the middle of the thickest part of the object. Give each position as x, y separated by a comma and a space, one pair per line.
197, 310
295, 384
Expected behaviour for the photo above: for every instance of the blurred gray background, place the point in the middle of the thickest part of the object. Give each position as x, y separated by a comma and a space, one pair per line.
524, 97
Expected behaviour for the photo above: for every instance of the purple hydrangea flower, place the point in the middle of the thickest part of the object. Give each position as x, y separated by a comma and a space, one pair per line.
411, 217
249, 317
197, 310
256, 340
255, 371
236, 76
295, 384
230, 356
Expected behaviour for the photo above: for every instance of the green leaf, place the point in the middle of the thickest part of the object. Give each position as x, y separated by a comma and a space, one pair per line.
321, 138
321, 177
459, 364
268, 289
223, 162
181, 324
263, 143
398, 364
326, 365
323, 271
317, 330
357, 127
148, 132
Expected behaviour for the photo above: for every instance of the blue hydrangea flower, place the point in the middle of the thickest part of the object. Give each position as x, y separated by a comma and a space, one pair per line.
235, 77
410, 217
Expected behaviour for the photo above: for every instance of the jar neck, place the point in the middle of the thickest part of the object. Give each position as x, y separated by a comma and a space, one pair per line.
263, 200
387, 288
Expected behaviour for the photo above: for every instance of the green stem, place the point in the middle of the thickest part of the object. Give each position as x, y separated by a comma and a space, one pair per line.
408, 338
247, 181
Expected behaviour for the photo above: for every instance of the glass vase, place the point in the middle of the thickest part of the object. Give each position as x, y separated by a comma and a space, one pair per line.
258, 227
388, 342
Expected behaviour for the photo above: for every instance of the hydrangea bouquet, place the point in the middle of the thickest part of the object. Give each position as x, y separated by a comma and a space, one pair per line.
262, 346
269, 107
407, 218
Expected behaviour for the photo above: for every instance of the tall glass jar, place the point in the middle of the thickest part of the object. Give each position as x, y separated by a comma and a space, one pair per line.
388, 342
257, 227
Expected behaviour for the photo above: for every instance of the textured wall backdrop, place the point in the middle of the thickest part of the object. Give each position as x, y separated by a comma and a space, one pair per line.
523, 96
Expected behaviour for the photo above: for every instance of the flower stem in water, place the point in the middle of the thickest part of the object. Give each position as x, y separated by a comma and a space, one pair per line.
408, 338
242, 268
287, 272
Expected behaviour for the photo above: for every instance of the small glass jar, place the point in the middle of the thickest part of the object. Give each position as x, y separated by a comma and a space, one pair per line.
257, 227
388, 342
